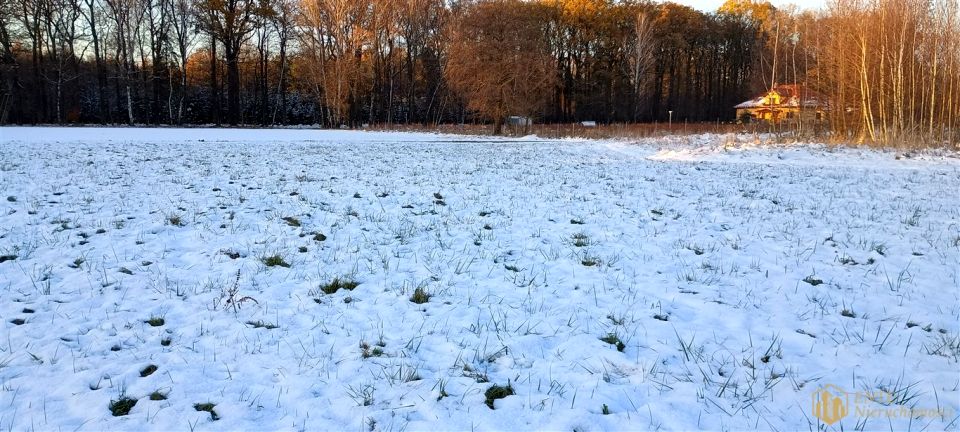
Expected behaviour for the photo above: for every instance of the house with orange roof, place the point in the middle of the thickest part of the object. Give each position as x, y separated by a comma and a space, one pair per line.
784, 103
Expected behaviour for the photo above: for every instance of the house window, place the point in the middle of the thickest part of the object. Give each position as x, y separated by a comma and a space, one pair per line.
790, 115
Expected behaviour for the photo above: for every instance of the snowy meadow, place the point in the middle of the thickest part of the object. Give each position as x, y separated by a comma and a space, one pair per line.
197, 279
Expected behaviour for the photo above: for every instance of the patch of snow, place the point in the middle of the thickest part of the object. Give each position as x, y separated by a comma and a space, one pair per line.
739, 277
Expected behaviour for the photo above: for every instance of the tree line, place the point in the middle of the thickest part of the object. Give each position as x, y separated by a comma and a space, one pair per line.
889, 68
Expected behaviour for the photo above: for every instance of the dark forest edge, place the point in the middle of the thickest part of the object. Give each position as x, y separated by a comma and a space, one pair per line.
890, 69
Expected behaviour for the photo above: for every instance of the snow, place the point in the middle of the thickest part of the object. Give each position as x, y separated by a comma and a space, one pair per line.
740, 276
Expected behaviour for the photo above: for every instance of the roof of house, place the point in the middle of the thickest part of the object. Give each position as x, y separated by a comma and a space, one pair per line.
791, 96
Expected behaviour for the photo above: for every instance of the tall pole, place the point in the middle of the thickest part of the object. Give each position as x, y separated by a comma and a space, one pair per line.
671, 120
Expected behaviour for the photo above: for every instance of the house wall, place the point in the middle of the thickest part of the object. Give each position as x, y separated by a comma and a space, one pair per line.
785, 115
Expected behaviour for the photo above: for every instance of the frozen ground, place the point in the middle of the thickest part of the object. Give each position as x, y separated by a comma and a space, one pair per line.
739, 279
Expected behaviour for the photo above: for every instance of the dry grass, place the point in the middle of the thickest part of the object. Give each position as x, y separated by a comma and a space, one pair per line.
562, 130
784, 132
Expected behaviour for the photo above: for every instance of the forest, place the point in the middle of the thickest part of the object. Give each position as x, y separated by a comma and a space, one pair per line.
890, 69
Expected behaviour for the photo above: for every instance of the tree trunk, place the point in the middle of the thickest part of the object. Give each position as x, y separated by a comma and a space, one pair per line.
214, 87
282, 85
129, 105
104, 114
264, 86
233, 84
157, 83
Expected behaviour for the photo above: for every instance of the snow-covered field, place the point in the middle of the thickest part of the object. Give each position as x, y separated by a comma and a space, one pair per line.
735, 280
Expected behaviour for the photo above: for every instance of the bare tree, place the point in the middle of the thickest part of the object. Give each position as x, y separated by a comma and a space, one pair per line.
8, 63
182, 26
334, 33
6, 21
29, 13
92, 14
60, 18
284, 22
890, 69
262, 35
127, 16
420, 24
384, 48
158, 23
641, 58
230, 22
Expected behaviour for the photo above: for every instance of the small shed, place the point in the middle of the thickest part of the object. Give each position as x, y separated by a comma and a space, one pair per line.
519, 121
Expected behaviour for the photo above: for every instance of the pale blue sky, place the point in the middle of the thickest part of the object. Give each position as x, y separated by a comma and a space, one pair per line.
712, 5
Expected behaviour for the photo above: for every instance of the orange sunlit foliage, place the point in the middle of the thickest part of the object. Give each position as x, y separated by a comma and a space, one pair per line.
499, 59
198, 68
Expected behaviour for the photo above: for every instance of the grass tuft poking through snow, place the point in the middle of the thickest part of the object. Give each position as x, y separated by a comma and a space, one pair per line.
147, 371
275, 261
420, 296
122, 406
207, 407
338, 284
155, 321
614, 340
495, 392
